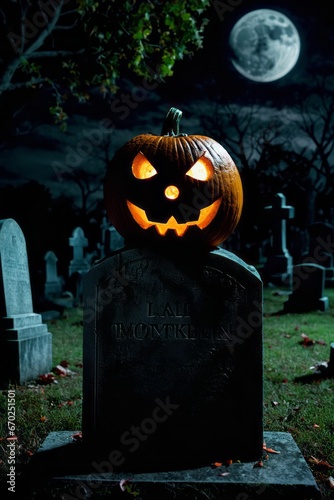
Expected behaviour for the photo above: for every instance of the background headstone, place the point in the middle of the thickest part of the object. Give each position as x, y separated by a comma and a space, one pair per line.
307, 289
113, 241
78, 241
53, 284
79, 265
26, 348
278, 267
173, 359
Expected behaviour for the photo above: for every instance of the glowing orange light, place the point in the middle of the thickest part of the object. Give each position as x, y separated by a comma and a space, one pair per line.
202, 170
172, 192
142, 168
207, 214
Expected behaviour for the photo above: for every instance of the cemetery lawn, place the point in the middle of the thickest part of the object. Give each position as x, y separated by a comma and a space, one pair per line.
292, 344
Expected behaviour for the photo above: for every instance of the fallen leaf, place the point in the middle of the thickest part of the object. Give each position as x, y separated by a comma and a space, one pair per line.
64, 363
258, 464
270, 450
307, 341
64, 372
285, 380
275, 403
323, 463
70, 403
61, 371
224, 474
316, 426
43, 418
77, 436
217, 464
287, 336
123, 483
47, 378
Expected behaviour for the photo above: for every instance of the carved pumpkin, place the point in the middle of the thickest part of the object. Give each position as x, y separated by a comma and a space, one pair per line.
173, 187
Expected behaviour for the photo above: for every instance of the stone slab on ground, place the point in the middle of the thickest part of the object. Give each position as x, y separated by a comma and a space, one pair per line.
59, 470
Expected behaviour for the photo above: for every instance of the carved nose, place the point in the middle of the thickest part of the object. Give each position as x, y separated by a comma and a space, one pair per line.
172, 192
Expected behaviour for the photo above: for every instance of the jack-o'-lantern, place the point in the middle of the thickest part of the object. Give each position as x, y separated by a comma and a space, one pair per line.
173, 187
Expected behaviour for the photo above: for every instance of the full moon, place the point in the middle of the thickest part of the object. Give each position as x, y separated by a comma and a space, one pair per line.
265, 45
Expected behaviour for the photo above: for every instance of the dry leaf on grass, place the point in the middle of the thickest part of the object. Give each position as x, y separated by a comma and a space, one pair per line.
322, 463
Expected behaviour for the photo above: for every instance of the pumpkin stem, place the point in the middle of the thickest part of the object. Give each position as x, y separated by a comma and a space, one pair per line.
171, 124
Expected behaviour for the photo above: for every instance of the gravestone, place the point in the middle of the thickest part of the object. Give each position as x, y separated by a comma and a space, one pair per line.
78, 241
79, 265
321, 249
26, 349
168, 352
308, 286
278, 267
53, 284
113, 240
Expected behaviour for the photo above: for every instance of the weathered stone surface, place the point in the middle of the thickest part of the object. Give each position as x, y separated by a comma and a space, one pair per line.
60, 467
25, 342
53, 285
173, 359
278, 267
15, 289
78, 241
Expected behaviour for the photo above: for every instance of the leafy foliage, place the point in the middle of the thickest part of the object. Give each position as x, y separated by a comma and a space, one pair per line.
74, 45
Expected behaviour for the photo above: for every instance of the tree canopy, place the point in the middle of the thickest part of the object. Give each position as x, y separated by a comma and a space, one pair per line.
75, 45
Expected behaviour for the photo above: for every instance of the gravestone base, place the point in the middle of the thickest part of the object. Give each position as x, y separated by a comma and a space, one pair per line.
59, 470
26, 347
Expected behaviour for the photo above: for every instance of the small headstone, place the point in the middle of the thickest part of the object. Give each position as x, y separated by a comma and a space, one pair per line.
53, 283
278, 268
113, 240
308, 286
78, 241
26, 348
173, 359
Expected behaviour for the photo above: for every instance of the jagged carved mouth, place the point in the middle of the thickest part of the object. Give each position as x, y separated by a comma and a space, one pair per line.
206, 215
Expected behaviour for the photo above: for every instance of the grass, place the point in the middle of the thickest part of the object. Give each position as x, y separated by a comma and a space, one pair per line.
304, 410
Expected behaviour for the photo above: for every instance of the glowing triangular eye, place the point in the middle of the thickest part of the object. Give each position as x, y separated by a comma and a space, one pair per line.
142, 168
202, 170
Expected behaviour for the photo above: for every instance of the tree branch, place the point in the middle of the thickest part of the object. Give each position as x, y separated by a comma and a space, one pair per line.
45, 33
55, 53
20, 85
